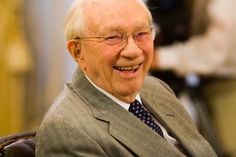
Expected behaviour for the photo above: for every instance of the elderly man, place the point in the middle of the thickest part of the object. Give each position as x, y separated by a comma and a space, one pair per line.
111, 108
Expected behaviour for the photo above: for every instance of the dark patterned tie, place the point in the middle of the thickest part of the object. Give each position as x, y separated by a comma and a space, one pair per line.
139, 111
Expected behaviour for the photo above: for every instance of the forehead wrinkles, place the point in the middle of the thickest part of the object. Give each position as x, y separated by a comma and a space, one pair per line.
92, 11
102, 14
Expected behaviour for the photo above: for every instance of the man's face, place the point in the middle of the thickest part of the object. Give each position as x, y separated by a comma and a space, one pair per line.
120, 70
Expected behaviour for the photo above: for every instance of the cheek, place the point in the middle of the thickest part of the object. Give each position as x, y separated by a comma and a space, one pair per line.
150, 49
148, 52
91, 58
103, 62
109, 58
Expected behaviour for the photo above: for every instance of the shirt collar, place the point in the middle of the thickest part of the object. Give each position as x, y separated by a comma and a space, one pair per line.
123, 104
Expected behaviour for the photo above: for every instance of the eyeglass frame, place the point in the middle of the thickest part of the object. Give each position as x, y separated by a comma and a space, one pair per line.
124, 37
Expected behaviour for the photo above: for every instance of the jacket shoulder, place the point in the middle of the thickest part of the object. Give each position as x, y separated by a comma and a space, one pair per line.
153, 83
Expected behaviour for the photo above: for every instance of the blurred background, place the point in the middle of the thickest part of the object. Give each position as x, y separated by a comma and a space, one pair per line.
35, 65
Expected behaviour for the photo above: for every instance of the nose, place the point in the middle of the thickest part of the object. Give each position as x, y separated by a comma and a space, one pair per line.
131, 49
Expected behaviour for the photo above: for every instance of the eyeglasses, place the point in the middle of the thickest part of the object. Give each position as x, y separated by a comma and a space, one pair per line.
143, 35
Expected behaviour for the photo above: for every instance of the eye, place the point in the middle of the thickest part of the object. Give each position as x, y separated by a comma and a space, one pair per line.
114, 39
142, 35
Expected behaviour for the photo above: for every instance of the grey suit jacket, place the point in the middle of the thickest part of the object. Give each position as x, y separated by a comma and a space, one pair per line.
84, 122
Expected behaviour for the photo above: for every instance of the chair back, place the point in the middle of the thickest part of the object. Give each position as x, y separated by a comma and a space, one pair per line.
18, 145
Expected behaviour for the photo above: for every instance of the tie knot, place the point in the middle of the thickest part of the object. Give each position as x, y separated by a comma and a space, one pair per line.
136, 105
136, 102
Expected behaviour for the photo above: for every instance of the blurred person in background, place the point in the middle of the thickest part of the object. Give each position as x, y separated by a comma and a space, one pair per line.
211, 54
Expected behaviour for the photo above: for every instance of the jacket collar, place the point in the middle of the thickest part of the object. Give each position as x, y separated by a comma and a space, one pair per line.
123, 126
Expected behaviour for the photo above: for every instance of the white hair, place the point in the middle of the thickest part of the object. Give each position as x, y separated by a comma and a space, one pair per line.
75, 20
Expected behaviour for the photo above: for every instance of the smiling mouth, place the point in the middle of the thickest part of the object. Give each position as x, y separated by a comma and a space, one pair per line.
127, 69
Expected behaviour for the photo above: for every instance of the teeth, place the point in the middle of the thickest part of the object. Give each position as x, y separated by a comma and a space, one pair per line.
127, 68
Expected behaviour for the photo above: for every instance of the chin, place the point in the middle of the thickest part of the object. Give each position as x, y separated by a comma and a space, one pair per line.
129, 92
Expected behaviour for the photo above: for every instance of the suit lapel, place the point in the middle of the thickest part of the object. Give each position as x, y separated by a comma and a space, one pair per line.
136, 135
123, 125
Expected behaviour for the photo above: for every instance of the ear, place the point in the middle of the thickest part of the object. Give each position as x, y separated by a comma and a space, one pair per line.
73, 46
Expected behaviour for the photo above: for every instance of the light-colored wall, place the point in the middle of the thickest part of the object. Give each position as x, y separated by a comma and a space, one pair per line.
44, 21
32, 74
52, 64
